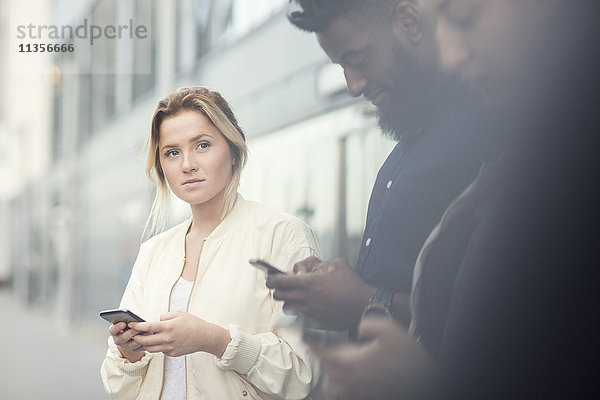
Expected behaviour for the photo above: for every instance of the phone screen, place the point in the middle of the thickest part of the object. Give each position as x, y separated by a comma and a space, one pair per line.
265, 266
120, 315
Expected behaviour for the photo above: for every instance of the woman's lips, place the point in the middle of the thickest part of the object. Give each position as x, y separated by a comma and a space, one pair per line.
192, 182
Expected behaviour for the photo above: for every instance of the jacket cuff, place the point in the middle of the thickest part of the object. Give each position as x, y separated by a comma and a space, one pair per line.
241, 353
137, 368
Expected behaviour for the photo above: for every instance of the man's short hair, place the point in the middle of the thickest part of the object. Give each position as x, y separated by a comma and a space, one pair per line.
317, 15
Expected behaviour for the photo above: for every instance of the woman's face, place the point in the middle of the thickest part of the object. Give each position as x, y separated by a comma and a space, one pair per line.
195, 158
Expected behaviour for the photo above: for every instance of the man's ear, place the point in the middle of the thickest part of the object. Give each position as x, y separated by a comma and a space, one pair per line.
408, 22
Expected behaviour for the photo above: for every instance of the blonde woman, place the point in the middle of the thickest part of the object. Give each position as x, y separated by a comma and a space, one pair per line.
211, 330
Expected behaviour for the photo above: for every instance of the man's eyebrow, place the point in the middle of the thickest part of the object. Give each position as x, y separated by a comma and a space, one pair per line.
346, 57
349, 56
443, 6
335, 60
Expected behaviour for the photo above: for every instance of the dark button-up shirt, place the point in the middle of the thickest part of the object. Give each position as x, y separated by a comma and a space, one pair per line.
414, 186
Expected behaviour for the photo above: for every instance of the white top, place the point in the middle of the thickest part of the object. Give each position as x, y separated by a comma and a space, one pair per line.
175, 386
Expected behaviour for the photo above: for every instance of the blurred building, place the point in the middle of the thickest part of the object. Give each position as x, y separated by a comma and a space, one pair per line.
314, 151
5, 270
25, 103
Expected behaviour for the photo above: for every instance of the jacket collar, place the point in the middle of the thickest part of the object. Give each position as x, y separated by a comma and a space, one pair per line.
230, 220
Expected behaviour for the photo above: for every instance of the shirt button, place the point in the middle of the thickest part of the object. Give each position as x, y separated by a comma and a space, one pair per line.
389, 184
244, 393
368, 242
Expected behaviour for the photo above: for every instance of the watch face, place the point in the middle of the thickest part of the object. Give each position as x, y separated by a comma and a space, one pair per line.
376, 310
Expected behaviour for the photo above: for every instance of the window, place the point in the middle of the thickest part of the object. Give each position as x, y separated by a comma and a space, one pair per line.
102, 60
326, 180
248, 14
144, 51
56, 121
193, 36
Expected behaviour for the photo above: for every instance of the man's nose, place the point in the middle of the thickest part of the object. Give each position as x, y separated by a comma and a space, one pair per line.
355, 82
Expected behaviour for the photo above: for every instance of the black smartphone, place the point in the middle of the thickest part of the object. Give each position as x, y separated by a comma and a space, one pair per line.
265, 266
317, 337
120, 315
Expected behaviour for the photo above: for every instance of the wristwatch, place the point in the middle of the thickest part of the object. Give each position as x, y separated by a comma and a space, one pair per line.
380, 304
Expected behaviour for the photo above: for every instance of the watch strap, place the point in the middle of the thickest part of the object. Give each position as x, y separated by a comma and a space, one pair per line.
380, 303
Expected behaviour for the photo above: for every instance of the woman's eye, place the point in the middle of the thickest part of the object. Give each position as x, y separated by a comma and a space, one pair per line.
171, 153
203, 145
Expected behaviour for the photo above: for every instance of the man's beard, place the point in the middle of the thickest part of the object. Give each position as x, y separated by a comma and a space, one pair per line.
411, 100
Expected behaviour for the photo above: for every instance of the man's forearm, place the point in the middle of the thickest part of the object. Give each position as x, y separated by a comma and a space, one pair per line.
401, 308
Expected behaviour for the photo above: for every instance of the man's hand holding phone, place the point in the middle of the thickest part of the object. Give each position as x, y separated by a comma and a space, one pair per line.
330, 293
265, 266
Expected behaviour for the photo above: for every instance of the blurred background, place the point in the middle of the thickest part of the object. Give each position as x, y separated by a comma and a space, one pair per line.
74, 197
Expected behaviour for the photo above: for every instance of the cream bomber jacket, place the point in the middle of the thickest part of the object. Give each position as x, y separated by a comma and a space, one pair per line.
264, 360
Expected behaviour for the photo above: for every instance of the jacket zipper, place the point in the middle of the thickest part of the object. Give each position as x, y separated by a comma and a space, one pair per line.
187, 307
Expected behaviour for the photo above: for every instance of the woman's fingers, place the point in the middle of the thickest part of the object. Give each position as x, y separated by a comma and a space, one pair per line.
122, 335
115, 329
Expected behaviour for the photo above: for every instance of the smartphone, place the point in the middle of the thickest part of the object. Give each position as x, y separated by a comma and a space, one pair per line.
265, 266
120, 315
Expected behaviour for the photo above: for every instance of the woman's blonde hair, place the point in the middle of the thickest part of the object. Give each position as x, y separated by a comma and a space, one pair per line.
215, 108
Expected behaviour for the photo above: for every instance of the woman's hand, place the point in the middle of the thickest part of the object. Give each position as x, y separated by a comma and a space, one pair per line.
180, 333
129, 349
